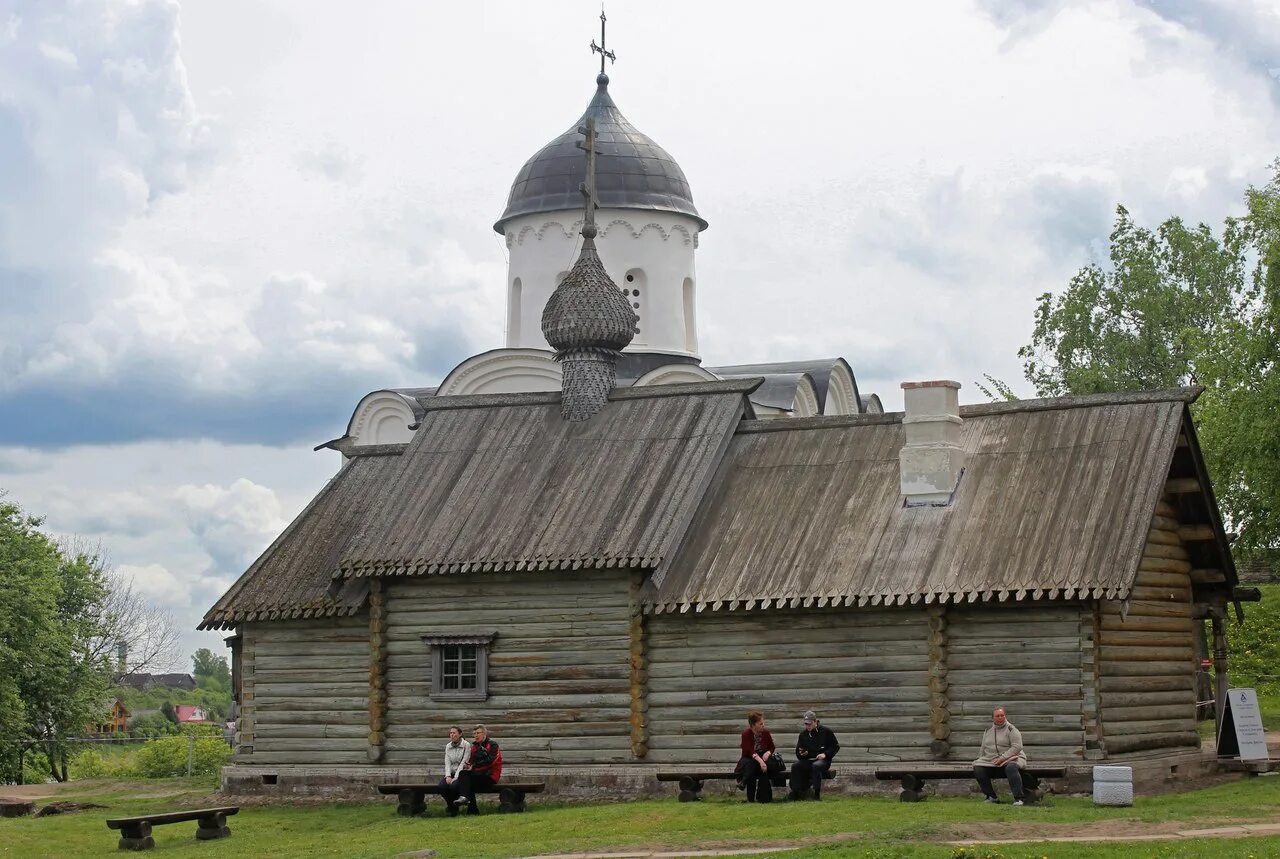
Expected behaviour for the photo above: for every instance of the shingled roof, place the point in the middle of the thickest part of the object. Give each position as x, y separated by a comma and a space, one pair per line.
498, 482
293, 576
1056, 500
501, 482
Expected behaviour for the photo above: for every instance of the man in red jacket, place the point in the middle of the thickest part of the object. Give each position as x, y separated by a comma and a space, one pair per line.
482, 769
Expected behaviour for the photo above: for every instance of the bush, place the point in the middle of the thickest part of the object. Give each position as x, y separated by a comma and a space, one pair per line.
167, 757
153, 725
87, 763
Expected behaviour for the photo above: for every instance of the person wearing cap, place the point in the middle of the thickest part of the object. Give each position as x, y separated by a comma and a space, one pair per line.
1001, 750
815, 747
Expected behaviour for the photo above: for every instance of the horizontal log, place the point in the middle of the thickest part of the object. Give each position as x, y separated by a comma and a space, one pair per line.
978, 708
1197, 533
310, 731
317, 664
333, 680
1114, 701
435, 733
286, 702
1182, 485
1151, 727
1180, 595
1030, 739
1134, 653
1124, 745
1165, 508
517, 748
517, 702
521, 680
311, 649
1112, 714
1057, 644
750, 670
753, 635
1145, 608
1005, 661
713, 651
784, 720
1181, 638
1207, 576
1164, 523
1164, 565
711, 623
1027, 723
1163, 537
400, 712
1155, 550
1014, 677
301, 758
980, 615
1156, 683
517, 618
310, 690
1032, 691
789, 686
1179, 668
1150, 579
606, 645
315, 744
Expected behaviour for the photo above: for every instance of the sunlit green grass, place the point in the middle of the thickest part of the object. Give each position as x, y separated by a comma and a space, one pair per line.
876, 826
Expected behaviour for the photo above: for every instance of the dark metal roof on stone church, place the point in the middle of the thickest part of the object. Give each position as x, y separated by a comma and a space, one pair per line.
632, 172
1056, 499
501, 482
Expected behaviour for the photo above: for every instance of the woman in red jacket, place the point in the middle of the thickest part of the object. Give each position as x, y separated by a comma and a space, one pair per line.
757, 751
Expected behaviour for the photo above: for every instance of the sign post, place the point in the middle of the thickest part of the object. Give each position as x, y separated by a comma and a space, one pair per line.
1241, 735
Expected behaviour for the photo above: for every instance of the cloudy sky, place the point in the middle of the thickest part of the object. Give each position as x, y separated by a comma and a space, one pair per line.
223, 221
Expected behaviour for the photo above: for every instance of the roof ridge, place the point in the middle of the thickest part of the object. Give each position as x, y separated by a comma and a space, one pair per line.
646, 392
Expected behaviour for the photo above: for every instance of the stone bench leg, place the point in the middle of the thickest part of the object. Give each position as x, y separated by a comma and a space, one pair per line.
690, 789
136, 836
211, 827
912, 789
510, 801
412, 803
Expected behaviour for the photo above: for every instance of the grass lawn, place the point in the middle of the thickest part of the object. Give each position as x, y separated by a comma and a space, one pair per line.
867, 826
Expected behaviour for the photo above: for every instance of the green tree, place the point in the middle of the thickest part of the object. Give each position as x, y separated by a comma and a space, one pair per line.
213, 670
1176, 306
28, 610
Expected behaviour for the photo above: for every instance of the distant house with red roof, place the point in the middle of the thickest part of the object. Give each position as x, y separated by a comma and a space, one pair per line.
190, 714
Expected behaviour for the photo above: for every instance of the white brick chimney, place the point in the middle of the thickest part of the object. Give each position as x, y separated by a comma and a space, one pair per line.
931, 461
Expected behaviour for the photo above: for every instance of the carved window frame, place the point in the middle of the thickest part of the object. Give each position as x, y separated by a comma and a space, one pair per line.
438, 642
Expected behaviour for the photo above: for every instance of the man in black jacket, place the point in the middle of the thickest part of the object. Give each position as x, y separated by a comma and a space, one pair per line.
815, 747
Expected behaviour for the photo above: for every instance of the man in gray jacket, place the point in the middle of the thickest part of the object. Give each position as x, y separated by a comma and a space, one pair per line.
1001, 750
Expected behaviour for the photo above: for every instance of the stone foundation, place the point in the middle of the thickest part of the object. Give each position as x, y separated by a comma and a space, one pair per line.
1152, 774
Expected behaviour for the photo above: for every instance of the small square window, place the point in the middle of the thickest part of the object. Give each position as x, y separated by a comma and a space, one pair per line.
459, 665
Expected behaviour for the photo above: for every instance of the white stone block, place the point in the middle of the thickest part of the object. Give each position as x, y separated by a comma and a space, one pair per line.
1112, 785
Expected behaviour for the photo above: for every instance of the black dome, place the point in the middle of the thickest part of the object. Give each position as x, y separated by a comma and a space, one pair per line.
632, 172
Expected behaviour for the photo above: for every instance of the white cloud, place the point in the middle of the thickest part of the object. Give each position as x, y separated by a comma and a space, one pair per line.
232, 524
155, 583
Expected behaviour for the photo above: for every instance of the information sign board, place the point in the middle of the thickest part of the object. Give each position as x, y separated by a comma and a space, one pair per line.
1241, 735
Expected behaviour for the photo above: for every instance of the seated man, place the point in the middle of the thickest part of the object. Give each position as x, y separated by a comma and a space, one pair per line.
1001, 750
815, 747
457, 752
482, 770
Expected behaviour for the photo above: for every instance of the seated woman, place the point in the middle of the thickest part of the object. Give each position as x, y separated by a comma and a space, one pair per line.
757, 751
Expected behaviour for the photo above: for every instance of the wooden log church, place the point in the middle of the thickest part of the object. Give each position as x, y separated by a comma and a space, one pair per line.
608, 553
612, 596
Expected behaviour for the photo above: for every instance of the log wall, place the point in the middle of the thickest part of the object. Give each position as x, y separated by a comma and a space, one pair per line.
1025, 658
1146, 650
306, 692
560, 669
864, 671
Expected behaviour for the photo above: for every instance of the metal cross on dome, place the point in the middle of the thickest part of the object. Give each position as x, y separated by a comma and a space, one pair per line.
599, 49
588, 187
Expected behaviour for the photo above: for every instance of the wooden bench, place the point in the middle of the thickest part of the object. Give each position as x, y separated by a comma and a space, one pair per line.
913, 779
135, 832
413, 797
691, 782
